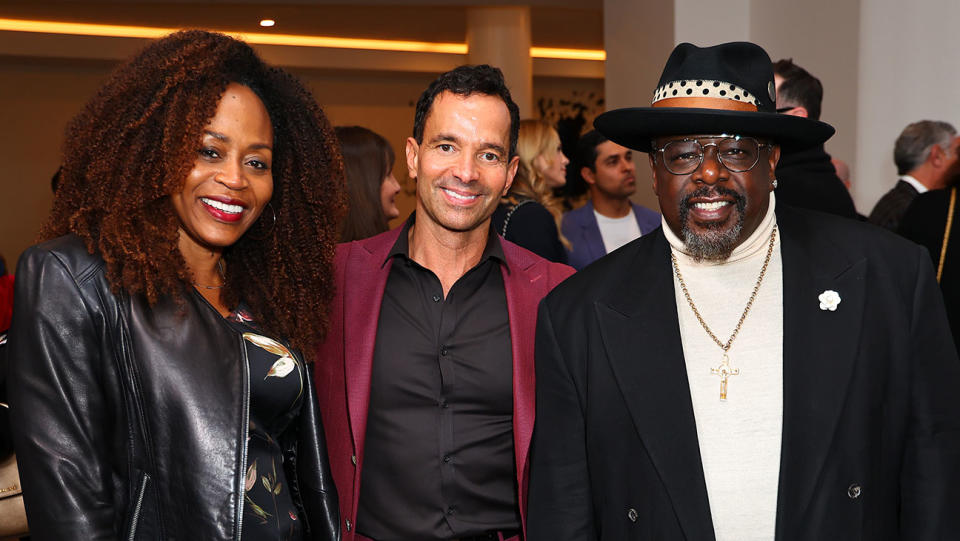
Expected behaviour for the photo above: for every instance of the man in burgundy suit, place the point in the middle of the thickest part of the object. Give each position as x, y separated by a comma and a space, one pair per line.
426, 375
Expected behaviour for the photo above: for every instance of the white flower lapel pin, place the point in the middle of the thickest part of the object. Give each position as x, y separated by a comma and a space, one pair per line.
829, 300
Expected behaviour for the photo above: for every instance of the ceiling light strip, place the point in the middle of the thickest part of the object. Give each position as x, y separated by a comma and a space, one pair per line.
570, 54
124, 31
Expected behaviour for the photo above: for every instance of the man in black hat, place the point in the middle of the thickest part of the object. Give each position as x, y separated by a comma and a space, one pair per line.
749, 371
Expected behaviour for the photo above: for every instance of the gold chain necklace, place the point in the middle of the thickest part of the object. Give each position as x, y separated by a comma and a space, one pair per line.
725, 370
222, 274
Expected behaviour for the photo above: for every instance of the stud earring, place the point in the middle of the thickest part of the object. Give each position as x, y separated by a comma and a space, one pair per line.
774, 184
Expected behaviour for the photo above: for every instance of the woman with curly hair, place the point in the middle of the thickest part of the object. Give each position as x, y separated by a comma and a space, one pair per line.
157, 387
371, 187
529, 215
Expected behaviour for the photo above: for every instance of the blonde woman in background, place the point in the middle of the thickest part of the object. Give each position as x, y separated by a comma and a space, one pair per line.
529, 215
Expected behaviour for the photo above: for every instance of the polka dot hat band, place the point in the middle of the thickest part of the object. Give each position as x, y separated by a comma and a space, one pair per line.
726, 88
697, 88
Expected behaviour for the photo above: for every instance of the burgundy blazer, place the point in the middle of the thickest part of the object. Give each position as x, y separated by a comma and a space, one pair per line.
345, 359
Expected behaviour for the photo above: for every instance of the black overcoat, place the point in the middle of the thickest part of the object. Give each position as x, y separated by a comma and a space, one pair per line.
871, 415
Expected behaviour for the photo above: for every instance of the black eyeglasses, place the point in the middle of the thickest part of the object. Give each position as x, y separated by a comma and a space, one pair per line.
736, 153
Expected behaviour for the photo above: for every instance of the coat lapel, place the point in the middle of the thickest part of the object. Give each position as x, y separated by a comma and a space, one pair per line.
366, 280
591, 234
641, 334
520, 287
819, 349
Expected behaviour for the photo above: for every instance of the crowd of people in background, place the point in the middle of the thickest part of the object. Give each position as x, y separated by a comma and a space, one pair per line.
170, 360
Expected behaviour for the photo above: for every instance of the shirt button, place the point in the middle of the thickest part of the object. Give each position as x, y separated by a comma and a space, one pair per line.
447, 459
443, 350
443, 403
451, 510
854, 491
436, 298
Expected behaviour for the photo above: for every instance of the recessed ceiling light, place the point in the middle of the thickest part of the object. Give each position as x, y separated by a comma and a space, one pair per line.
267, 22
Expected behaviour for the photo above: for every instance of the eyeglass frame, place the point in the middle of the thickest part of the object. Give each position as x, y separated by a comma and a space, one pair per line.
703, 151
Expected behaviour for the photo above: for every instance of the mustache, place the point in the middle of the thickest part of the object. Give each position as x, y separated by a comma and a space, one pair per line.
684, 205
713, 191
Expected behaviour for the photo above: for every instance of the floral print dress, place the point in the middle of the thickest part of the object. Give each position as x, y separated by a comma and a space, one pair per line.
276, 392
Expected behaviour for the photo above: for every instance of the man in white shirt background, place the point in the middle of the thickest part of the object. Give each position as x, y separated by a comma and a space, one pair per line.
926, 158
610, 219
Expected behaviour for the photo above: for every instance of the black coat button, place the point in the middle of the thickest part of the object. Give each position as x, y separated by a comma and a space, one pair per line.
854, 491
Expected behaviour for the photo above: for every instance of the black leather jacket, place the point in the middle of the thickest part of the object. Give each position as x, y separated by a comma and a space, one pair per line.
129, 420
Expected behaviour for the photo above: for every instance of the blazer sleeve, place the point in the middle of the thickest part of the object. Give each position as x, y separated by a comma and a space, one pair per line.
560, 505
58, 410
930, 476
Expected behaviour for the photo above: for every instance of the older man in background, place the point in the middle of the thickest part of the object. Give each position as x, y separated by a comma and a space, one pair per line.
926, 158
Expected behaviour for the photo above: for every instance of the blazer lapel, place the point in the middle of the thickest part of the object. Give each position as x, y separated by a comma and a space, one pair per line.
591, 234
521, 288
366, 280
819, 350
641, 333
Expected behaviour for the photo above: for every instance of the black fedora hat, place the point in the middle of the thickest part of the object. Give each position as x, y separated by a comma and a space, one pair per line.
726, 88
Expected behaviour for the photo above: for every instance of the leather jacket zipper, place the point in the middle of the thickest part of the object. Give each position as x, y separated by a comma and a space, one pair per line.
246, 434
138, 506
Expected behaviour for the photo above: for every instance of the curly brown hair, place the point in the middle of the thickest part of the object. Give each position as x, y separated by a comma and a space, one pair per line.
134, 144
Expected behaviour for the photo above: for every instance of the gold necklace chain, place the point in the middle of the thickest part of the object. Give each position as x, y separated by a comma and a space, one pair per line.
222, 274
753, 296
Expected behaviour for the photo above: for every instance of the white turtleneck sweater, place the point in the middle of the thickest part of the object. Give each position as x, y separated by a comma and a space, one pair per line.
740, 436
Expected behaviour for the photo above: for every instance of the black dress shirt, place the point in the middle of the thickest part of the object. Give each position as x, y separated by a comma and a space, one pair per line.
439, 455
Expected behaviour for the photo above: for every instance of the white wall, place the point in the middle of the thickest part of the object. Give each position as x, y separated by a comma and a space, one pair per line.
908, 71
709, 23
822, 37
638, 37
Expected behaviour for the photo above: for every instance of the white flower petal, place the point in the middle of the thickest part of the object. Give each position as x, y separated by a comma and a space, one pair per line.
829, 300
281, 368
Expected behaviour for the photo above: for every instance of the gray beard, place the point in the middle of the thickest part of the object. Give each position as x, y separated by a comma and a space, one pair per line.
716, 244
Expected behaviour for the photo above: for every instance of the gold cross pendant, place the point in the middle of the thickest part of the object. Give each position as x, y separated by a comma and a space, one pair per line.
724, 371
